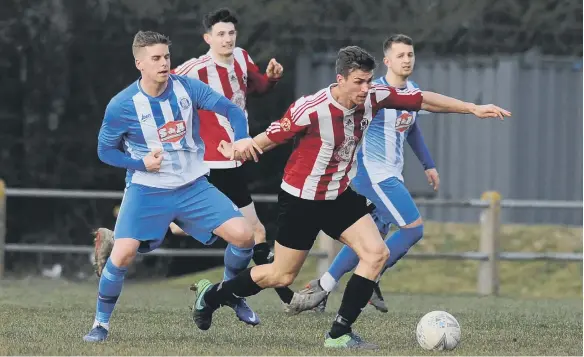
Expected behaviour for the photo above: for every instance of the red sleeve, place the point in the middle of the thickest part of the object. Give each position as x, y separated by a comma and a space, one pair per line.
390, 98
257, 82
290, 125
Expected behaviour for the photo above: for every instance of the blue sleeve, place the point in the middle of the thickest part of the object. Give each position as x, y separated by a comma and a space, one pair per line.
204, 97
109, 140
416, 141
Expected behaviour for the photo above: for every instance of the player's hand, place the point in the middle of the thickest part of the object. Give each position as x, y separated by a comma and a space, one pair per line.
226, 149
490, 111
274, 70
153, 160
433, 178
247, 148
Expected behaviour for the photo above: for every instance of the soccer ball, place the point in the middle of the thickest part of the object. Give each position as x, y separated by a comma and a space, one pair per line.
437, 331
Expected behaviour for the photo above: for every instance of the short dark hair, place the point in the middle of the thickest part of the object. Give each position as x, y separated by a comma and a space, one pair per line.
352, 58
221, 15
148, 38
397, 38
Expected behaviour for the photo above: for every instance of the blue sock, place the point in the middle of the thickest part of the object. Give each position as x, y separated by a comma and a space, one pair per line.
344, 262
400, 242
110, 287
347, 260
236, 260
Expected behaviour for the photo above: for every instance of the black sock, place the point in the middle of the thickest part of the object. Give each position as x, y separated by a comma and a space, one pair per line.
261, 251
357, 294
242, 285
285, 294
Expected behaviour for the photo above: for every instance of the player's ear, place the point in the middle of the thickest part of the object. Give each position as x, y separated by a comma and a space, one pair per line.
138, 64
340, 78
207, 38
386, 61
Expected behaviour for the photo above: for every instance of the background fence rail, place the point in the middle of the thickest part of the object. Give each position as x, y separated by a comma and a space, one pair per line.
488, 254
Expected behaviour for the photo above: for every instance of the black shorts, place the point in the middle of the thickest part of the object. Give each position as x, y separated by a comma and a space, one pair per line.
233, 183
300, 220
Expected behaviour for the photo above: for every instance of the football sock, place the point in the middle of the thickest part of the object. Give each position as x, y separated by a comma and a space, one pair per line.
110, 287
261, 254
242, 285
236, 259
356, 296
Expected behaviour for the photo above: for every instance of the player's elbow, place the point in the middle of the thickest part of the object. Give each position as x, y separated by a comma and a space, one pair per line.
101, 153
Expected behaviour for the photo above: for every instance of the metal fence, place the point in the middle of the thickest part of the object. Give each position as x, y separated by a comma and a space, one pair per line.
488, 253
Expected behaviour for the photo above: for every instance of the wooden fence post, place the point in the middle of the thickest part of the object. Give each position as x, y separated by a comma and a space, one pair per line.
2, 226
490, 223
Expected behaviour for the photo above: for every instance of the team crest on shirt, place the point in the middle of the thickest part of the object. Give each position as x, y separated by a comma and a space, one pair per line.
364, 123
172, 131
403, 121
346, 149
238, 98
184, 103
285, 124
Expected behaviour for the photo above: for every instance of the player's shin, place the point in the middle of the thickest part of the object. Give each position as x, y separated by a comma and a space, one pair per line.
356, 296
236, 259
400, 242
110, 287
261, 253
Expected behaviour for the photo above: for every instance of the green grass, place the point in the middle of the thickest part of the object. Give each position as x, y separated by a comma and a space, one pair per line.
50, 317
539, 311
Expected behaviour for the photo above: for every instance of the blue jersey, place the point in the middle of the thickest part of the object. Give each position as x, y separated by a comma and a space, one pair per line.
138, 123
382, 153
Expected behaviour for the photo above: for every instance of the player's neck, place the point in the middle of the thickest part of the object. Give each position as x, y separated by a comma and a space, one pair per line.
152, 88
222, 59
341, 98
396, 81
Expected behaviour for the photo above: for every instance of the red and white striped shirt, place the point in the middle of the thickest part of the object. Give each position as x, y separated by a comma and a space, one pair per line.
323, 161
235, 82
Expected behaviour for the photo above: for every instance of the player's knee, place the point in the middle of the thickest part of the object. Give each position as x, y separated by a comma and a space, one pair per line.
376, 258
241, 234
124, 252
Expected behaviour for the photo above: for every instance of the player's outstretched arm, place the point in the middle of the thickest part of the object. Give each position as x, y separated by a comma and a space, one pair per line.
438, 103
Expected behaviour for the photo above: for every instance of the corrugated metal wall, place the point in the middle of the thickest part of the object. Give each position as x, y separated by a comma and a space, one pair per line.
536, 154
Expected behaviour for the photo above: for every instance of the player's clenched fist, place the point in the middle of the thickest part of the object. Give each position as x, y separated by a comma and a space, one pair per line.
153, 160
274, 70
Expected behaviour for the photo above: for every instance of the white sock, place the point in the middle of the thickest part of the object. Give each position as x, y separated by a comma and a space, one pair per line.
327, 282
102, 324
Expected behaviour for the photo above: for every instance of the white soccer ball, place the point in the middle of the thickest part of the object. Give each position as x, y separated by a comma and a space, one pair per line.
438, 331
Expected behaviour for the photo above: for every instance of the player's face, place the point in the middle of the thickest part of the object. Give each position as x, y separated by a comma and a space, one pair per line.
400, 59
356, 85
154, 62
222, 38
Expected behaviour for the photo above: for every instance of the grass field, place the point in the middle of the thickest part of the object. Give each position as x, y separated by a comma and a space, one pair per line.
50, 317
539, 311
